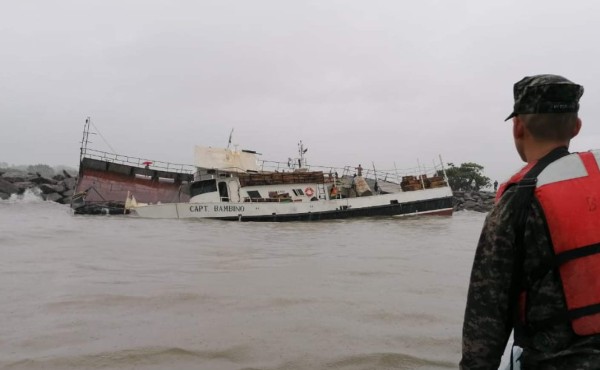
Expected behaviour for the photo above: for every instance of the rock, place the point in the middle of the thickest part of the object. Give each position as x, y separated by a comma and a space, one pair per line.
48, 189
13, 177
70, 182
470, 204
22, 186
7, 187
58, 189
42, 180
68, 193
64, 200
478, 201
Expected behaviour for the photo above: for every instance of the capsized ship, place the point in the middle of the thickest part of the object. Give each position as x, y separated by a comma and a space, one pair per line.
231, 185
105, 179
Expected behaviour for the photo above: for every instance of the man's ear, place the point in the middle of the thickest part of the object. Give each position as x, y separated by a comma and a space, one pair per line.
577, 128
518, 128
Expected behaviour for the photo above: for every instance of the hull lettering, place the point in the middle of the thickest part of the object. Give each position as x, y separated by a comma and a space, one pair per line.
229, 208
198, 208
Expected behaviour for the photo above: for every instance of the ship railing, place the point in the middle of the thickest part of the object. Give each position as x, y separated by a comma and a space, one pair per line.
138, 162
388, 175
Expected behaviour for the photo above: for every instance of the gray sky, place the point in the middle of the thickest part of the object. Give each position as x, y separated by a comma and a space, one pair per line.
357, 81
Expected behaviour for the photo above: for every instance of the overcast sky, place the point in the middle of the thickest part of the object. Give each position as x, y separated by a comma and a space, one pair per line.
390, 82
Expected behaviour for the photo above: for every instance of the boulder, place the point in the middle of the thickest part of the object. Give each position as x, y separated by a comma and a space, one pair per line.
70, 182
39, 180
13, 178
64, 200
4, 196
68, 193
7, 187
48, 189
24, 185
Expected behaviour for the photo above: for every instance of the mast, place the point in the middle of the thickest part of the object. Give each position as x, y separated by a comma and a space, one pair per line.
301, 151
230, 136
85, 139
444, 170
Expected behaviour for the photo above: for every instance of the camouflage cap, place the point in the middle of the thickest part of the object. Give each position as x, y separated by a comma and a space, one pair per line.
546, 94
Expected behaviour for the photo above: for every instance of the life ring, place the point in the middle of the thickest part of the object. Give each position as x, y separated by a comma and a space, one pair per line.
309, 192
334, 191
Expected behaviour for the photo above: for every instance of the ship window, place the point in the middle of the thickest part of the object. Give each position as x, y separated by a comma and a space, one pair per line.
298, 192
253, 194
223, 193
202, 187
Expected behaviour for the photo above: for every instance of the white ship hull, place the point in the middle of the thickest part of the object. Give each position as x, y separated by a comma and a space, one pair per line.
426, 201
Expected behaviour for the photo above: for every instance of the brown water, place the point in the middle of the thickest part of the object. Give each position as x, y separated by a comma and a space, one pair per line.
110, 292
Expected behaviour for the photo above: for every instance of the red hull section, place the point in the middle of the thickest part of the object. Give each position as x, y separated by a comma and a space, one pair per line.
105, 186
447, 212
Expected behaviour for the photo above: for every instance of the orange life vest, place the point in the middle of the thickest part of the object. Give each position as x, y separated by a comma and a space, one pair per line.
568, 191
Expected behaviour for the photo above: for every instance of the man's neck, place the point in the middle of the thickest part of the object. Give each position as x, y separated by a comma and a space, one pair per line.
540, 150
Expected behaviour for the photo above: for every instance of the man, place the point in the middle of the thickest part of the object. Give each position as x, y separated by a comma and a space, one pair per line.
537, 265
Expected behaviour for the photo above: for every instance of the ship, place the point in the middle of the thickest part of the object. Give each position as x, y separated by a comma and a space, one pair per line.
233, 185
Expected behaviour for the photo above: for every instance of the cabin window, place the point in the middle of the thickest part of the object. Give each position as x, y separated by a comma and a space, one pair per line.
254, 194
202, 187
223, 193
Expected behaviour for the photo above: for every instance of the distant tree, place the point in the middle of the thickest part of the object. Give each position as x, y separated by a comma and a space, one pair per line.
466, 177
42, 169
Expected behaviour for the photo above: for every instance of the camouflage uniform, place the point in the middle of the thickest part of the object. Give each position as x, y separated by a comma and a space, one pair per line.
491, 311
490, 315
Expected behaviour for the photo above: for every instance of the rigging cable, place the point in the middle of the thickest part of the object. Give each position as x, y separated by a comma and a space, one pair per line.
106, 142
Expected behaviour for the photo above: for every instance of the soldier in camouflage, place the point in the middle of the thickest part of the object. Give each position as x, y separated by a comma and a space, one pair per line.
544, 120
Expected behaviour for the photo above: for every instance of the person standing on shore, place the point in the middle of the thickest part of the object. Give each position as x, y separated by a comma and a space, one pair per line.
537, 265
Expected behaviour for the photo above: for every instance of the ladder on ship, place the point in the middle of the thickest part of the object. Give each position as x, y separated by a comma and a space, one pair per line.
322, 189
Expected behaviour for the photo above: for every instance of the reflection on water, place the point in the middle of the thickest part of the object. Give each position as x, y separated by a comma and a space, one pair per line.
81, 292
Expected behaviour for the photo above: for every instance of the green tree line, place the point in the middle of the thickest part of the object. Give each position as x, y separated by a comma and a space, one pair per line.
467, 176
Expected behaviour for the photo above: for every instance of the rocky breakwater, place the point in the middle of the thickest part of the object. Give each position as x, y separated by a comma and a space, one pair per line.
479, 201
59, 188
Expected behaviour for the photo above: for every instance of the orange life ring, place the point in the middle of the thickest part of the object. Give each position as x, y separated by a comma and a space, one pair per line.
334, 191
309, 192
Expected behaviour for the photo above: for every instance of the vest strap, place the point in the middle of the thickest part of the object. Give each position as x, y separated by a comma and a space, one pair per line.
584, 311
572, 254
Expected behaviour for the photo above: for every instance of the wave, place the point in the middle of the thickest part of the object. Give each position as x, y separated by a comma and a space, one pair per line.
384, 360
33, 195
389, 361
143, 358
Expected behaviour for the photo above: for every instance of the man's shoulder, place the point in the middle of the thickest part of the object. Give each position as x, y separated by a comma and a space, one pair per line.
505, 208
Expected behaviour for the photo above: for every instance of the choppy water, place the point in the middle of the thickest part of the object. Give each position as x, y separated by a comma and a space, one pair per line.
110, 292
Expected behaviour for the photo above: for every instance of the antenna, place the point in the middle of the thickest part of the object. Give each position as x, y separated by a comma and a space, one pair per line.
229, 141
84, 140
301, 151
